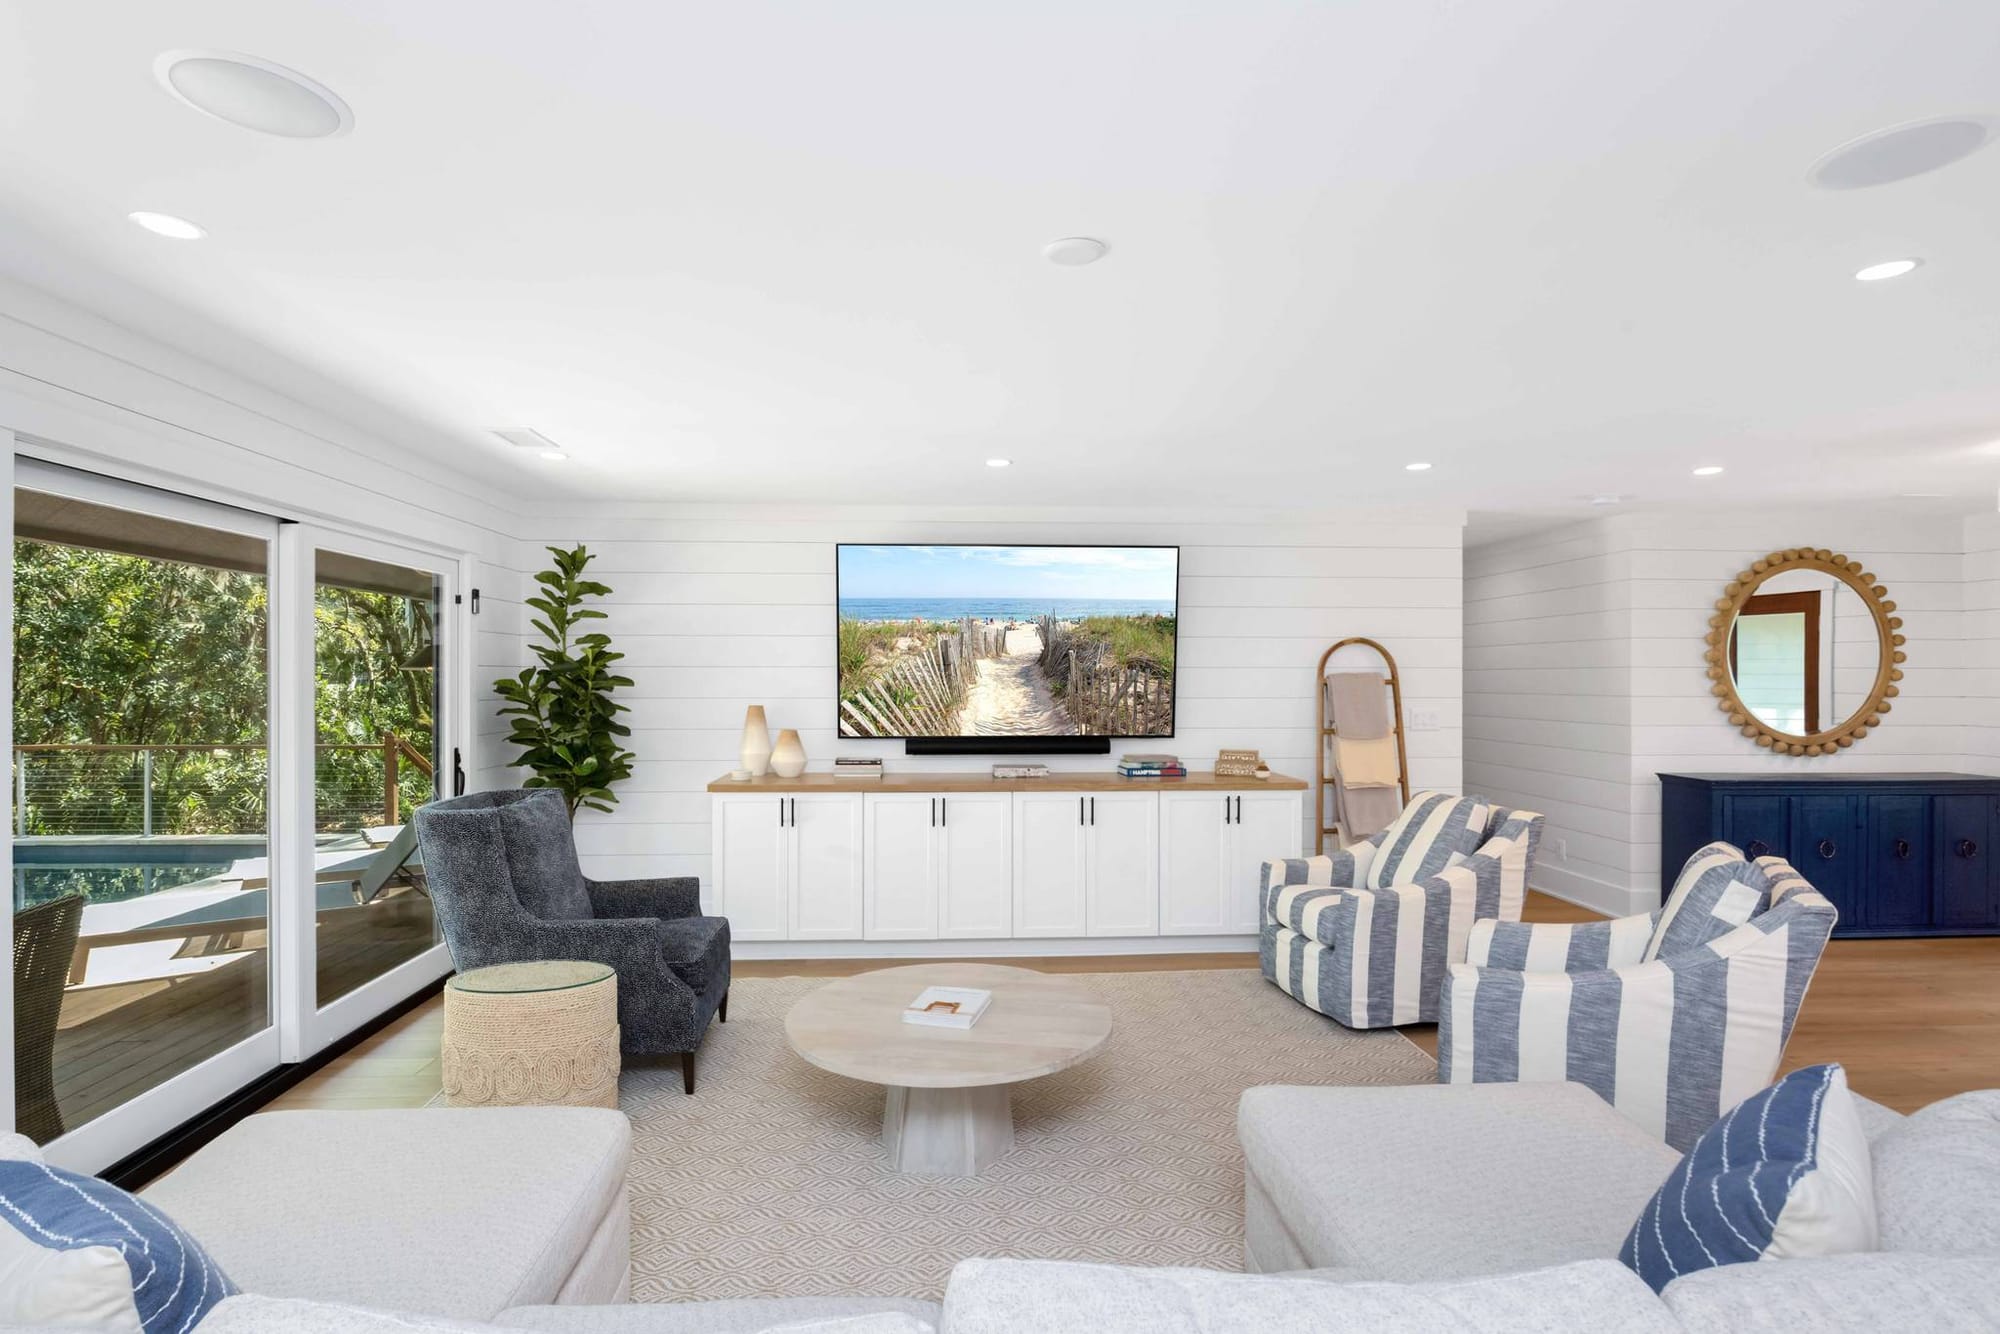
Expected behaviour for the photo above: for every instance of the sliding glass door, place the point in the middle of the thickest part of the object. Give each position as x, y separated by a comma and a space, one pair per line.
222, 725
141, 818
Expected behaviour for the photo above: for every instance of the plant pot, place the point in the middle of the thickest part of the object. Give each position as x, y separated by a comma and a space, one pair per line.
756, 750
788, 760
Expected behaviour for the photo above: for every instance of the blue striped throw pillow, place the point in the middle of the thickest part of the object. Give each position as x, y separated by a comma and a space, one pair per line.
1785, 1174
78, 1251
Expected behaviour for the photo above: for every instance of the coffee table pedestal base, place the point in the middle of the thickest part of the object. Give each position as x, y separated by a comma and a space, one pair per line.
947, 1132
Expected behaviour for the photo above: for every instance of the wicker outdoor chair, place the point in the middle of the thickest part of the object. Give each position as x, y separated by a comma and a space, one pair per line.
44, 940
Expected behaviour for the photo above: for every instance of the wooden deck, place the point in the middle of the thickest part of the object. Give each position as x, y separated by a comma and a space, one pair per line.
115, 1042
1913, 1020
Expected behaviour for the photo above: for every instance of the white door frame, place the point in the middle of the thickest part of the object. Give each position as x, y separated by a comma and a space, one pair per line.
307, 1026
130, 1126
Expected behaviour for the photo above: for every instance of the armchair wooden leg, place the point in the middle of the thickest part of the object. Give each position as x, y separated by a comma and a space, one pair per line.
687, 1071
722, 1010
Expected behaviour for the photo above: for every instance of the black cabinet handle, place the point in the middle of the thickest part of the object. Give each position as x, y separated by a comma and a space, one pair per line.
933, 812
1079, 810
1903, 849
781, 812
1225, 810
1239, 810
1758, 847
1827, 848
1093, 810
1967, 848
944, 812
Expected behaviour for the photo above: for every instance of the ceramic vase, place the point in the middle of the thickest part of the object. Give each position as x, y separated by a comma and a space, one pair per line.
788, 760
756, 751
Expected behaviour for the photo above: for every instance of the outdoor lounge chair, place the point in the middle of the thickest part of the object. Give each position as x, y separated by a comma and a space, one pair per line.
44, 937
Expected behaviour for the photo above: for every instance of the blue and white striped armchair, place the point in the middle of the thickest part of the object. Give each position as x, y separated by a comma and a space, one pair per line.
1376, 957
1672, 1017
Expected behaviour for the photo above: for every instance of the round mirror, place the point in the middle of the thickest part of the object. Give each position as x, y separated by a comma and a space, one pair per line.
1804, 651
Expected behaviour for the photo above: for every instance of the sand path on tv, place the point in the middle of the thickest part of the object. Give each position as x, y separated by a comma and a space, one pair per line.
1011, 697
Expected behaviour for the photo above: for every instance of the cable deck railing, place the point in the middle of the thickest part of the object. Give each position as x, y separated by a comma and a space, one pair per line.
194, 788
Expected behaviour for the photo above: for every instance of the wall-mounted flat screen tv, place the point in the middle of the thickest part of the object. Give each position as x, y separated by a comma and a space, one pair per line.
1007, 641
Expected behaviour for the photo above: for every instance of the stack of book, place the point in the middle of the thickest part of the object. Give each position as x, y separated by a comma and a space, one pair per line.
948, 1007
1151, 766
852, 767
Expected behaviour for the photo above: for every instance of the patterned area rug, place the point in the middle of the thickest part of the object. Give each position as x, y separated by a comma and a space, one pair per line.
770, 1181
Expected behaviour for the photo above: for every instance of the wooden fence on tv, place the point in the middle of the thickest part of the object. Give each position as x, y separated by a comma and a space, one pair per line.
923, 692
1104, 698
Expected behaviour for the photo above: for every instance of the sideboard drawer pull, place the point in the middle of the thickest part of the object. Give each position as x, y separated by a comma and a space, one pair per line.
1903, 849
1827, 849
1967, 848
1758, 848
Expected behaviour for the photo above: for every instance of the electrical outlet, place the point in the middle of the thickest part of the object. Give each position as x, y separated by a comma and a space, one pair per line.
1424, 720
1562, 849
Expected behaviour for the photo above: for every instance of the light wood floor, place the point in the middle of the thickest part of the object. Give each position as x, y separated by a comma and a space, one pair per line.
1913, 1020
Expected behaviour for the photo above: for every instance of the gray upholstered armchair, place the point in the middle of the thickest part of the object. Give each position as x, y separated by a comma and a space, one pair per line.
507, 888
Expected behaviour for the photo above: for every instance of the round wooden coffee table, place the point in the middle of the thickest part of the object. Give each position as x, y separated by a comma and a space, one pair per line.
948, 1111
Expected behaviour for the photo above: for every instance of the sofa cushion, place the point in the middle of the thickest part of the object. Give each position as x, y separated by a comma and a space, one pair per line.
1937, 1178
1784, 1174
1718, 891
255, 1314
1425, 837
1441, 1181
76, 1251
1010, 1296
1883, 1291
541, 857
747, 1316
438, 1211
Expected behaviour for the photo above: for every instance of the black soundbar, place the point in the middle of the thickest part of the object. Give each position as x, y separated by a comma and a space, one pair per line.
1007, 745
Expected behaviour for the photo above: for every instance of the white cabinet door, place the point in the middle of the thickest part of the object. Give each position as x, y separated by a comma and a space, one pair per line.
1266, 825
975, 861
826, 866
1194, 845
1049, 865
752, 864
1124, 875
902, 898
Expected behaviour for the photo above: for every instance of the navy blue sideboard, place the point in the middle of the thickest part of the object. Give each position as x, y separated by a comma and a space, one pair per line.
1899, 854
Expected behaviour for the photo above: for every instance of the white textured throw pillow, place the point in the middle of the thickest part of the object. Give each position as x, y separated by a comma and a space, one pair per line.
1937, 1177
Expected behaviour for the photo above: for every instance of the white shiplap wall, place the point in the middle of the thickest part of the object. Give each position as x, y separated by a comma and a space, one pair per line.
718, 608
1548, 706
1981, 630
1637, 608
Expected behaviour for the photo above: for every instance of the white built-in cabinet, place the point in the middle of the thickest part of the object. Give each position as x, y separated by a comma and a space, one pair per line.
938, 866
789, 867
1212, 847
903, 865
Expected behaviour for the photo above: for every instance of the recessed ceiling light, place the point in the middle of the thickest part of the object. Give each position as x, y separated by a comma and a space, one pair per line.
999, 463
166, 224
1922, 495
1898, 153
553, 455
1892, 268
1416, 467
1708, 470
1606, 500
253, 93
1071, 251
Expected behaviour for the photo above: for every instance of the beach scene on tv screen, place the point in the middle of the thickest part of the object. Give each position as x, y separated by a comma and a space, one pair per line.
968, 641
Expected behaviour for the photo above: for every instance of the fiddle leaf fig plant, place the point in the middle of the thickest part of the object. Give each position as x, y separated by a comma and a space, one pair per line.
564, 719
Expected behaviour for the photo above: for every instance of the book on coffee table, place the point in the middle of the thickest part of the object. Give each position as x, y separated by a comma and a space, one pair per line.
948, 1007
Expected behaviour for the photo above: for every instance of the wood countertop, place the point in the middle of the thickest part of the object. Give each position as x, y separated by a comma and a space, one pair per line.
1085, 781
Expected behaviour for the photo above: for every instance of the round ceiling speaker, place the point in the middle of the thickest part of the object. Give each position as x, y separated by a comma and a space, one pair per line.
1071, 251
1898, 153
253, 93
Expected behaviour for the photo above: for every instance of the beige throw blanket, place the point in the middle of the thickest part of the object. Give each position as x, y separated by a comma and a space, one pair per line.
1367, 774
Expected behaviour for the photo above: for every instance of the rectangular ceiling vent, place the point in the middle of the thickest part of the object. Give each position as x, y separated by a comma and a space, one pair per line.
523, 437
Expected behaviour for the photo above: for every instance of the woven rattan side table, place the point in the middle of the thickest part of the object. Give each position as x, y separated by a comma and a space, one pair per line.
532, 1034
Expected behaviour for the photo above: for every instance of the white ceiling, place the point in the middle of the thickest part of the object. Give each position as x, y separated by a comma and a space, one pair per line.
763, 250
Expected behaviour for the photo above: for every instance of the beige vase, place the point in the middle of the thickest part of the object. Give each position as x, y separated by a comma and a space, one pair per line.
788, 759
756, 750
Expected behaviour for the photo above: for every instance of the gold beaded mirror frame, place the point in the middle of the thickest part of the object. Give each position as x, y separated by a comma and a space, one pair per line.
1794, 567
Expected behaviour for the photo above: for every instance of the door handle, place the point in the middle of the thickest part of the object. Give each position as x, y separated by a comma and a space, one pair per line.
1758, 847
1827, 848
1902, 846
457, 774
1967, 848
